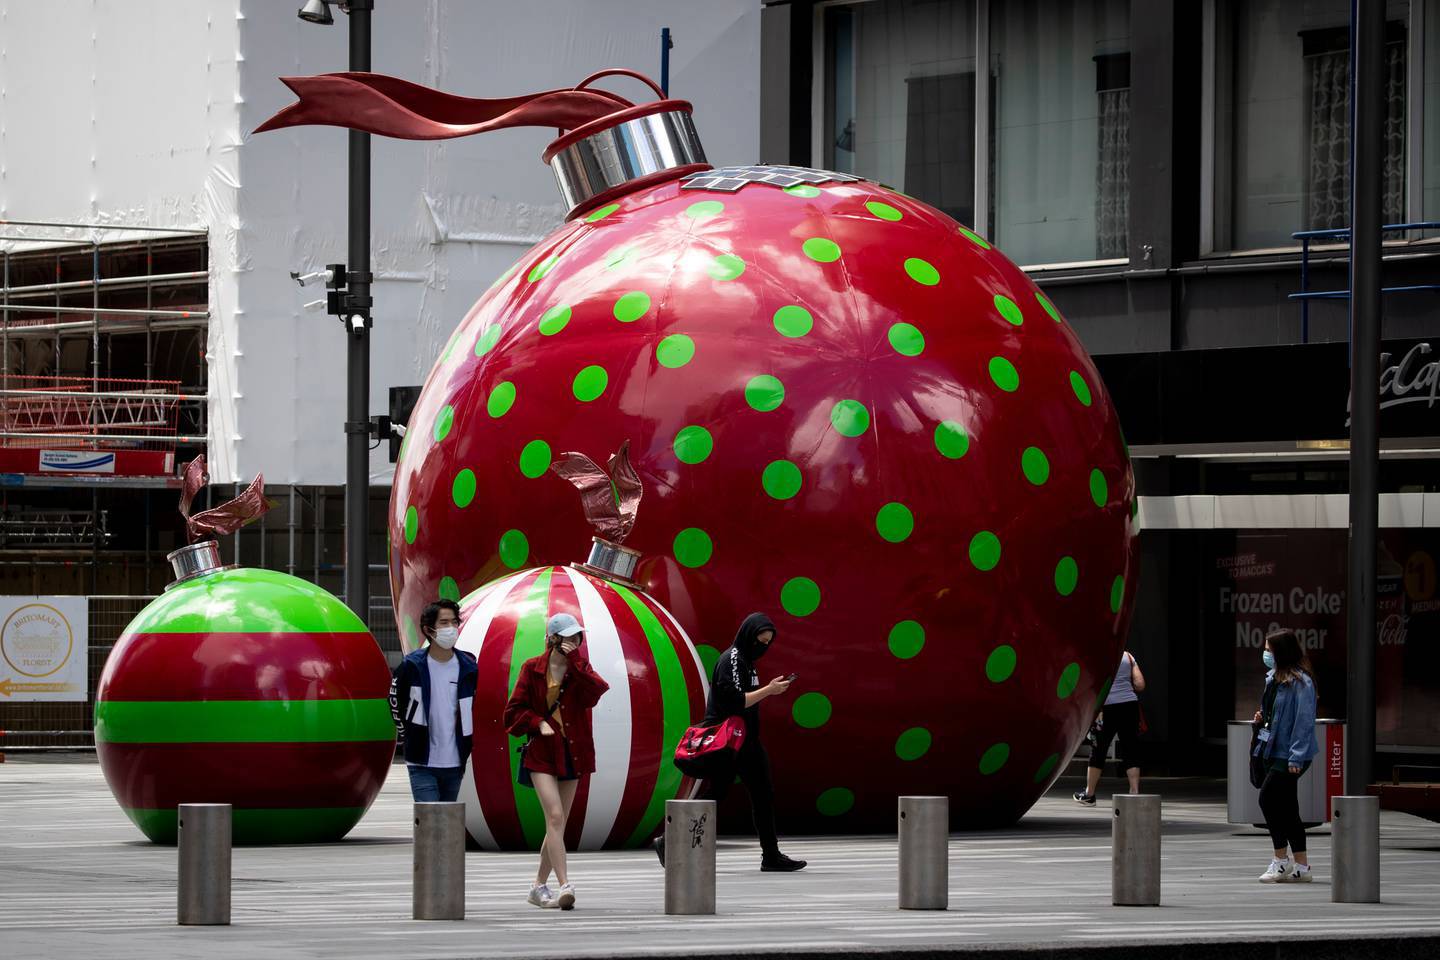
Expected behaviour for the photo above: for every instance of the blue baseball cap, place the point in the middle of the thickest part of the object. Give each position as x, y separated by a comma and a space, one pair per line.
562, 625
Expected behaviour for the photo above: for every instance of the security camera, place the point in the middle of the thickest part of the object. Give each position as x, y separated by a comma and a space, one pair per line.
326, 275
316, 11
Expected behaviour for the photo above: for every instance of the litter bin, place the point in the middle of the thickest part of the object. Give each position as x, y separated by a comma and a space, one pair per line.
1324, 779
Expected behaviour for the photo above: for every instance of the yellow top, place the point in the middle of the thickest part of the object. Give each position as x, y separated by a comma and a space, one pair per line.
552, 693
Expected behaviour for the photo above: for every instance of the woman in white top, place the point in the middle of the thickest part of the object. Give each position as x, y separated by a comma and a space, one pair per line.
1121, 716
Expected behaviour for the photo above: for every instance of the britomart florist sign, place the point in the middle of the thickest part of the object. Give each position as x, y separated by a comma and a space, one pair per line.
44, 648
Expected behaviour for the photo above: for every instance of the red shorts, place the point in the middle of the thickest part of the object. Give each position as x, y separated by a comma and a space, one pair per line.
550, 755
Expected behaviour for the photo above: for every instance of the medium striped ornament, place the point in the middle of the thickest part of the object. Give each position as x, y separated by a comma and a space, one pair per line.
251, 688
657, 689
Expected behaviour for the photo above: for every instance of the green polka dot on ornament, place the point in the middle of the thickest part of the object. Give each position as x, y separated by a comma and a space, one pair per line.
913, 743
675, 351
603, 212
1000, 664
1046, 766
850, 418
631, 306
994, 758
725, 266
462, 492
984, 550
590, 383
781, 479
412, 524
907, 638
1069, 678
906, 339
1067, 574
800, 596
811, 710
895, 522
951, 440
1035, 465
621, 257
693, 547
449, 589
535, 459
975, 238
488, 338
704, 209
1104, 692
1009, 309
764, 393
554, 320
1044, 301
693, 444
922, 271
1117, 594
1081, 388
821, 249
1004, 374
803, 190
835, 801
514, 549
1099, 489
444, 422
708, 656
542, 268
793, 320
883, 210
501, 399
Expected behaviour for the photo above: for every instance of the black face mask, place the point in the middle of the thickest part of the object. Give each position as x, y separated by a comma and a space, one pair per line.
747, 638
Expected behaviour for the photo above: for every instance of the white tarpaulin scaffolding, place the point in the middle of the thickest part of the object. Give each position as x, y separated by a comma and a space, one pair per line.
140, 112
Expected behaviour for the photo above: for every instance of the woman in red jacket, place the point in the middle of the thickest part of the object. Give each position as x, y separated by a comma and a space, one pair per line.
551, 705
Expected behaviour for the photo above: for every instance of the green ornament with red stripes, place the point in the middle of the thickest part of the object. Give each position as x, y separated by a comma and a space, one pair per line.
657, 690
247, 687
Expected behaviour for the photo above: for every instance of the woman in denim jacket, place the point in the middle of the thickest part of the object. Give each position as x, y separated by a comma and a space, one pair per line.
1286, 742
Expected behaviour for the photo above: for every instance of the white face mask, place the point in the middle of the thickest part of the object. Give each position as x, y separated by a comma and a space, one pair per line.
445, 637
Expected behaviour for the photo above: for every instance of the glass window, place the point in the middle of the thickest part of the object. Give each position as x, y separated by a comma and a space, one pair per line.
1282, 124
900, 98
1060, 154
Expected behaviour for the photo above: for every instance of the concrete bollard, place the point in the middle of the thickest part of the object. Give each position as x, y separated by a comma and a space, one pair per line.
1135, 850
924, 853
1355, 850
204, 852
439, 869
689, 857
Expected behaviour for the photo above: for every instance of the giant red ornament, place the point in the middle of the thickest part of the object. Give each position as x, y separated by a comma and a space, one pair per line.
849, 411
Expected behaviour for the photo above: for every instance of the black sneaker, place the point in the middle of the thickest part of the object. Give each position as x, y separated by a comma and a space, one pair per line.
658, 845
1080, 796
781, 864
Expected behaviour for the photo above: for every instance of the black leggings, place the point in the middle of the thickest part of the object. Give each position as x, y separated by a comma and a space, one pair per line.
1280, 802
753, 767
1122, 719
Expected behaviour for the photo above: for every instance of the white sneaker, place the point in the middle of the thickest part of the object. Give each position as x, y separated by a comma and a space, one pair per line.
1299, 873
565, 897
1278, 872
541, 896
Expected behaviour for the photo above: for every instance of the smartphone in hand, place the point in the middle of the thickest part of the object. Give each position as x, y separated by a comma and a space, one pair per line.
791, 677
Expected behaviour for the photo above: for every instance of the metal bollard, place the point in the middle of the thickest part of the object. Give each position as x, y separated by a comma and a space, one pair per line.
924, 853
1355, 850
204, 851
1135, 850
689, 857
439, 869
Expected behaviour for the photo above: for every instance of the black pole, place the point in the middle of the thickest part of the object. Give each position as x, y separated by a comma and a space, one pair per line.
357, 332
665, 45
1367, 57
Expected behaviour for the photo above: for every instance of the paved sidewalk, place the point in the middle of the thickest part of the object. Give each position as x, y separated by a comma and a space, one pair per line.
77, 880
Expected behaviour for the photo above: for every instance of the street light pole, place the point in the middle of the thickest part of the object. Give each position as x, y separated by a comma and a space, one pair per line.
357, 332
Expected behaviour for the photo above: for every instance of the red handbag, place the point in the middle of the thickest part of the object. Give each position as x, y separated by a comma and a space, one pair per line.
704, 751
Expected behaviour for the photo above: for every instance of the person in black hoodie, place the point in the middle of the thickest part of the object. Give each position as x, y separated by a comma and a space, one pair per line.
735, 690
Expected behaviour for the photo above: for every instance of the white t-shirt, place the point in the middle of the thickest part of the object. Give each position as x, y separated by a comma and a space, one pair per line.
441, 712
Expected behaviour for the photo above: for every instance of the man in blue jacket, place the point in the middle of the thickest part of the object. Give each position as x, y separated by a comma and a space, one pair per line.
431, 699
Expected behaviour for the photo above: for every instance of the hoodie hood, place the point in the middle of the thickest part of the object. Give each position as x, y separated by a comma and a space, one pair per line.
746, 638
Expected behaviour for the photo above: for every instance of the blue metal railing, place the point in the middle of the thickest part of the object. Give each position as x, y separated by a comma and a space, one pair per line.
1340, 233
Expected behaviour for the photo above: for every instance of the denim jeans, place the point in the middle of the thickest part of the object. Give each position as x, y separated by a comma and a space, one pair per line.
435, 783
